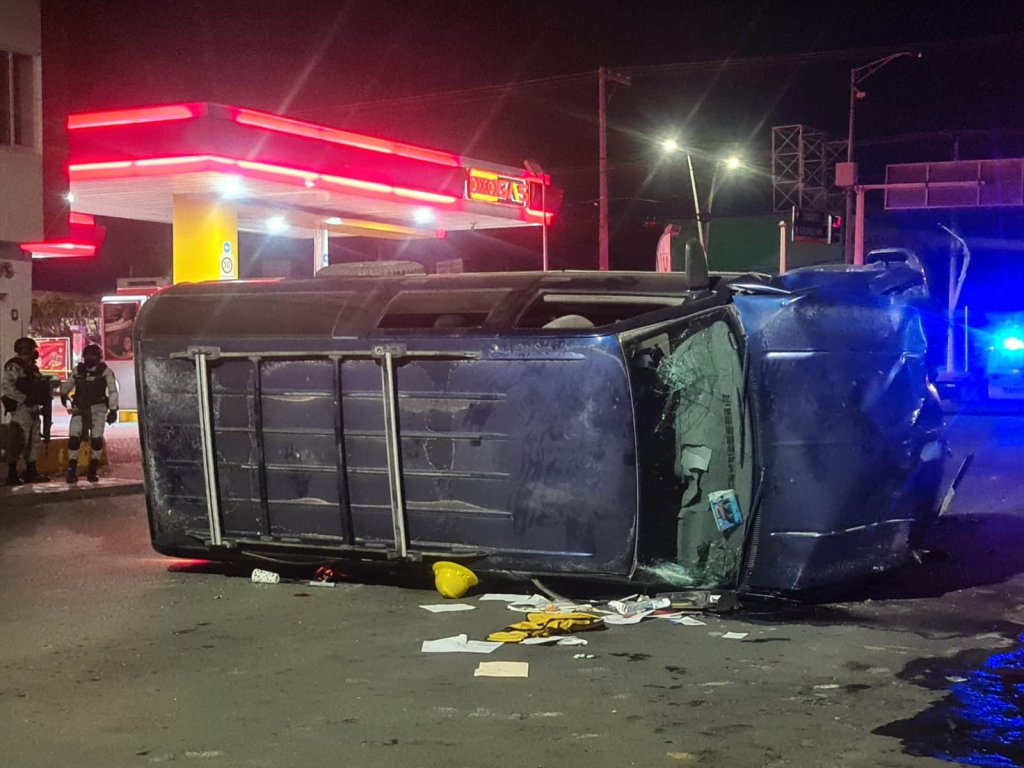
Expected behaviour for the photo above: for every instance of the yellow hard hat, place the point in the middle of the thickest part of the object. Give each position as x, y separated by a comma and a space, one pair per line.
452, 579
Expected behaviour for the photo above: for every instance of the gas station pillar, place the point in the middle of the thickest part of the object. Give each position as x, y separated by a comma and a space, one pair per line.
205, 240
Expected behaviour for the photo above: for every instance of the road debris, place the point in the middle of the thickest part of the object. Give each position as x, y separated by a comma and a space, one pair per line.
259, 576
502, 669
453, 580
546, 625
448, 607
458, 644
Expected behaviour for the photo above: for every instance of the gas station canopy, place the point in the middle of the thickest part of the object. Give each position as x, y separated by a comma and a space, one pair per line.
285, 177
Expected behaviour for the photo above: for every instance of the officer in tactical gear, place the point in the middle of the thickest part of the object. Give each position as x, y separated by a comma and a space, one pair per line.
92, 390
25, 394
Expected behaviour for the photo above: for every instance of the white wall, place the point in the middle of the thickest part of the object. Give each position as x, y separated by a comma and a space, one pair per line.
20, 26
15, 298
21, 184
21, 168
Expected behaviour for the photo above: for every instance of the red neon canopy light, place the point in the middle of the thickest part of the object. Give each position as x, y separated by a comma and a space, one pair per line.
160, 166
58, 250
336, 136
134, 116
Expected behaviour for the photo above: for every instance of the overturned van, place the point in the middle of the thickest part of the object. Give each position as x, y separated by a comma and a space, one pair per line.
746, 432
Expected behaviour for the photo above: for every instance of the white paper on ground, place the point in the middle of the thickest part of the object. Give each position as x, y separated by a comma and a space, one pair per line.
613, 619
507, 598
448, 607
554, 640
458, 644
689, 621
502, 669
734, 635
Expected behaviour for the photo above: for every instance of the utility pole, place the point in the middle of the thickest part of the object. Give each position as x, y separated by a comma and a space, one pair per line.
603, 75
857, 76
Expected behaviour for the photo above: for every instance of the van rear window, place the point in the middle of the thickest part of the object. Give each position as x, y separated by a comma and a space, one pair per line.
559, 311
433, 309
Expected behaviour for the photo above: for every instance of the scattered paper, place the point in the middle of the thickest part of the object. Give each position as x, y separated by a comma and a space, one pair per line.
956, 679
502, 669
571, 641
583, 656
734, 635
458, 644
448, 607
826, 687
553, 640
695, 457
613, 619
506, 598
540, 603
689, 621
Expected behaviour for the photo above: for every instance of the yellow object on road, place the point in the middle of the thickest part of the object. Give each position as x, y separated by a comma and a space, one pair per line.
546, 625
453, 580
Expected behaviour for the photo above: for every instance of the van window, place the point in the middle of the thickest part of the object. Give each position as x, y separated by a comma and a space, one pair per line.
433, 309
560, 311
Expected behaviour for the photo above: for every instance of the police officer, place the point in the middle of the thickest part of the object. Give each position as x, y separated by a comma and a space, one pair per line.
24, 392
93, 392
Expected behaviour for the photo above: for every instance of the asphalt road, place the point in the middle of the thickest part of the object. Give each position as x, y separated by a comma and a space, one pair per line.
111, 658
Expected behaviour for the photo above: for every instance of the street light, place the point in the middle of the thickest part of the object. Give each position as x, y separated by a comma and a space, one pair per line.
857, 76
731, 163
671, 146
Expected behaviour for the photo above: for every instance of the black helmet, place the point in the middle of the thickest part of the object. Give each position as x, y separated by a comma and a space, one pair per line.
93, 350
25, 346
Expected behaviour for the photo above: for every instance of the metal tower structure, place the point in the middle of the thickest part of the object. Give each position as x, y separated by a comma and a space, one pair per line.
803, 169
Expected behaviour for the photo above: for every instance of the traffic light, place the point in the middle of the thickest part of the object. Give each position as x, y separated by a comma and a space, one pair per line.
836, 230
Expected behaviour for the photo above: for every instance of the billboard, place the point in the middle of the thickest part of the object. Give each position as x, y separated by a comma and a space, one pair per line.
118, 319
956, 184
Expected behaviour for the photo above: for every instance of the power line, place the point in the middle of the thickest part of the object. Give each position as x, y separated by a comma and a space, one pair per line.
651, 70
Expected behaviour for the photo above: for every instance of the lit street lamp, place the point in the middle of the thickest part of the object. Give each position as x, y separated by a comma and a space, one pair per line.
731, 163
857, 76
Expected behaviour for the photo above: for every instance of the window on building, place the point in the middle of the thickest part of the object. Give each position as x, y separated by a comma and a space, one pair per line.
17, 100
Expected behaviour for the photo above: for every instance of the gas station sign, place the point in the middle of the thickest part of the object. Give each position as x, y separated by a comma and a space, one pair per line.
490, 187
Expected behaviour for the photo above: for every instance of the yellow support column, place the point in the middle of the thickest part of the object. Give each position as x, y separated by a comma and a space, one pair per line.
205, 240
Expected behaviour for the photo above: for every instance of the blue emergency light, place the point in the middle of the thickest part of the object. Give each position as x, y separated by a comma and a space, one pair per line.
1012, 343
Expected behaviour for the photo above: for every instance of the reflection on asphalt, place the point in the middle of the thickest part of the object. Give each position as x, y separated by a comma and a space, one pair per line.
979, 722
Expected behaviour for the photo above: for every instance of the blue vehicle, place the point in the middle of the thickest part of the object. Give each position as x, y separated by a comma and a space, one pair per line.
729, 431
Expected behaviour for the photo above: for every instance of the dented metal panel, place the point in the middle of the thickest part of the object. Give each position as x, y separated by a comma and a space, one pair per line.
850, 430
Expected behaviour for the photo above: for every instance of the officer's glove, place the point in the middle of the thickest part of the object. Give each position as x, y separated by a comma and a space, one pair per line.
111, 416
10, 404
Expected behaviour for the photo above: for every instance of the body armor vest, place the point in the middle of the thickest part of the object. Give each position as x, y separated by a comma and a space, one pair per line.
90, 386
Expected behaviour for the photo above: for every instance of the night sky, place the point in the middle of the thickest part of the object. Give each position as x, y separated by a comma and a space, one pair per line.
719, 74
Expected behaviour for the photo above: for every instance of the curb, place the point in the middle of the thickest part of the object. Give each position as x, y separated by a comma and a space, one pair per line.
15, 500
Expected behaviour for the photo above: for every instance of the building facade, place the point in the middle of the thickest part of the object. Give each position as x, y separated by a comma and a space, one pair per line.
21, 162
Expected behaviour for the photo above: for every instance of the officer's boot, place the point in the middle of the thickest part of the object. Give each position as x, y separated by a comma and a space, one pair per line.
33, 476
72, 474
92, 477
12, 474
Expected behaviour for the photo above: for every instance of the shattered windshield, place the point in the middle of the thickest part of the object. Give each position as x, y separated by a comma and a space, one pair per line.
696, 457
